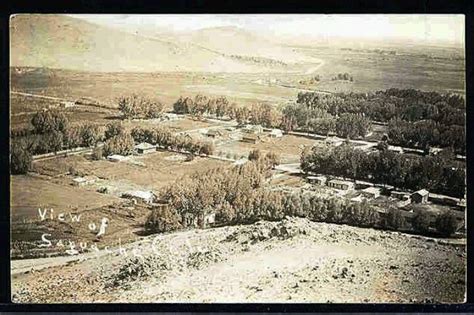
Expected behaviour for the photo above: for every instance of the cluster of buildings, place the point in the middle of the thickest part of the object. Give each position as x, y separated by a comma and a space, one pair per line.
370, 191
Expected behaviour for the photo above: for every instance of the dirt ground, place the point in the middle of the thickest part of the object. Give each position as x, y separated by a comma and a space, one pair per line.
293, 260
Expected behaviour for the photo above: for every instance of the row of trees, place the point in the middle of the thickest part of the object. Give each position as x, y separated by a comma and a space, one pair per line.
166, 139
238, 196
258, 114
135, 106
347, 125
411, 105
434, 173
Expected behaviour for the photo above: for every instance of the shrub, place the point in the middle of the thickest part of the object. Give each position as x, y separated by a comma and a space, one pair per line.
421, 222
446, 224
20, 159
162, 220
97, 154
393, 219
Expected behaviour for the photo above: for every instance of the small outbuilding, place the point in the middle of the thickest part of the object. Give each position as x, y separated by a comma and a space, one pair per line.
83, 181
250, 138
213, 133
145, 148
420, 196
67, 104
371, 192
276, 133
317, 180
341, 184
116, 158
146, 197
400, 195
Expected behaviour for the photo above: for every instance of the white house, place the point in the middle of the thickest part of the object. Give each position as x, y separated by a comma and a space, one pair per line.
276, 133
140, 195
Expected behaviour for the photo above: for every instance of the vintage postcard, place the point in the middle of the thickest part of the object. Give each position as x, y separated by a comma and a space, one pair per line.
238, 158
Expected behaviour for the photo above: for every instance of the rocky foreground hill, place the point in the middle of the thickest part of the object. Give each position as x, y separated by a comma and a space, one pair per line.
294, 260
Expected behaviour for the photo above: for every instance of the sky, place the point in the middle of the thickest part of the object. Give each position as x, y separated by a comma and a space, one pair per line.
429, 28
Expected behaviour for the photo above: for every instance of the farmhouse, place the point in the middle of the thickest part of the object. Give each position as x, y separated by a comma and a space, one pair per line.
116, 158
83, 181
140, 195
276, 133
371, 192
341, 184
145, 148
250, 138
317, 180
420, 196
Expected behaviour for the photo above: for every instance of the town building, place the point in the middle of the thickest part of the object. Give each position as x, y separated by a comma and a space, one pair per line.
341, 184
145, 148
371, 192
420, 196
317, 180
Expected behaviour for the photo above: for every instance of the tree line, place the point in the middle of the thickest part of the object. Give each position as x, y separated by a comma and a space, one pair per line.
434, 173
416, 119
257, 114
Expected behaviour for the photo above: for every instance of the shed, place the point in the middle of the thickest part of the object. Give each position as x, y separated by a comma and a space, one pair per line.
140, 195
144, 148
334, 141
276, 133
341, 184
317, 180
371, 192
420, 196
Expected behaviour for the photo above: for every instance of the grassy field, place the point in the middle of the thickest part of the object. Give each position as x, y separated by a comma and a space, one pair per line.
374, 71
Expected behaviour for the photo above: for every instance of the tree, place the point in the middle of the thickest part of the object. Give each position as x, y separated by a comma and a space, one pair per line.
91, 135
162, 220
120, 144
155, 110
114, 129
21, 159
54, 140
446, 224
48, 121
393, 219
255, 155
421, 222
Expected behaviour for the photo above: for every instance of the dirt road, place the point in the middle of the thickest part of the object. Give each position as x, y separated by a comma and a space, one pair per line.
293, 260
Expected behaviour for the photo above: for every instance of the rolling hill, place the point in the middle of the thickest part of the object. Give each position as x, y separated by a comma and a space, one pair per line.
57, 41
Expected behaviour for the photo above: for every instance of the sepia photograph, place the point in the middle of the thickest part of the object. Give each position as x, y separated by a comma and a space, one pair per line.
238, 158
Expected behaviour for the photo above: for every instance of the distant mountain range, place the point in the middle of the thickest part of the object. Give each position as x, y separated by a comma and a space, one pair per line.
58, 41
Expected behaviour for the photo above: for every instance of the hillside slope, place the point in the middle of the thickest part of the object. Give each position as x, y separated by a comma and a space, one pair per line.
57, 41
293, 260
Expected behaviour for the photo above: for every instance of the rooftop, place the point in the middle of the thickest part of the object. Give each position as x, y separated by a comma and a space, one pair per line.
422, 192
